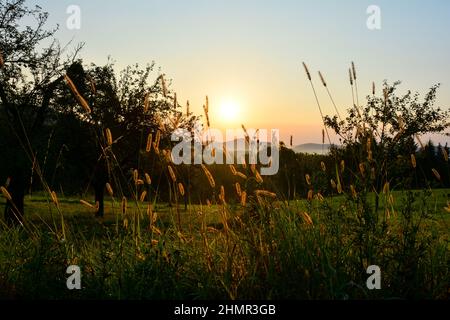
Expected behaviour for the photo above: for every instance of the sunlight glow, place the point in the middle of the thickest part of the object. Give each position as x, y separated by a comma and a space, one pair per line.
229, 111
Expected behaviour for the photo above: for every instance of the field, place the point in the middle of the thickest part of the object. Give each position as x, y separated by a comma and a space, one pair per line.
266, 250
113, 185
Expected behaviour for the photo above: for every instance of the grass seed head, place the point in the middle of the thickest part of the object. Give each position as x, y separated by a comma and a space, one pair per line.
208, 124
172, 174
181, 188
158, 138
307, 71
168, 155
238, 189
333, 184
447, 208
354, 71
54, 198
149, 143
436, 174
265, 193
308, 179
222, 194
87, 204
258, 177
240, 174
307, 218
322, 79
143, 195
156, 230
109, 189
175, 102
6, 194
148, 179
109, 139
77, 95
243, 198
413, 161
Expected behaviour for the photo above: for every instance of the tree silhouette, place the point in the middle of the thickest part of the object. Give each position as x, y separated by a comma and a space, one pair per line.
29, 76
385, 129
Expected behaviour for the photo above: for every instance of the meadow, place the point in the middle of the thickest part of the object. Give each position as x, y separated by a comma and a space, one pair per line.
166, 231
264, 250
88, 179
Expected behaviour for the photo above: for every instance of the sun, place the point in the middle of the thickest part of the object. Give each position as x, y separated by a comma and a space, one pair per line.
229, 110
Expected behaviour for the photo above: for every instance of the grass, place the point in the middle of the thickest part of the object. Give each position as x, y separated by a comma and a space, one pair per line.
262, 248
38, 207
268, 250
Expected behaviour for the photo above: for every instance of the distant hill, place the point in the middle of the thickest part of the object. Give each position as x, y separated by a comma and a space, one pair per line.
312, 148
237, 145
241, 145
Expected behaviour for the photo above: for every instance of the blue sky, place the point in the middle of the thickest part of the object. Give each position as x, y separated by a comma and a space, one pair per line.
251, 51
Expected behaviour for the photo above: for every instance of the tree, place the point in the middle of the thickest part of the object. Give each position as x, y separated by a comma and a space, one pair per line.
31, 72
128, 108
385, 129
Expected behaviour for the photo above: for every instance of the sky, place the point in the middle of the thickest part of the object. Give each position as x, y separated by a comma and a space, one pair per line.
247, 54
